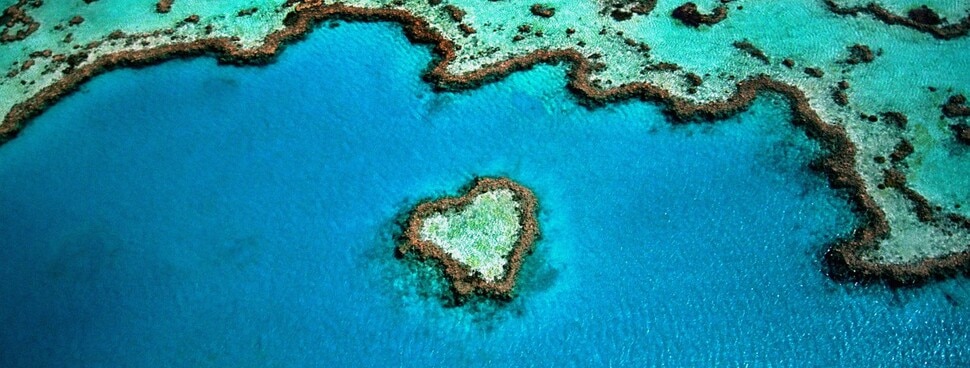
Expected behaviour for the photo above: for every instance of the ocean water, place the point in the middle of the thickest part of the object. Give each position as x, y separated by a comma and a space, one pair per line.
190, 214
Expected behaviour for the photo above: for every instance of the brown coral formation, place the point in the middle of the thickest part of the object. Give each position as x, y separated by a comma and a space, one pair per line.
814, 72
247, 12
456, 13
840, 97
902, 150
843, 260
621, 10
540, 10
163, 6
467, 30
690, 16
859, 53
924, 15
956, 106
693, 79
17, 24
897, 180
921, 19
895, 118
463, 281
748, 48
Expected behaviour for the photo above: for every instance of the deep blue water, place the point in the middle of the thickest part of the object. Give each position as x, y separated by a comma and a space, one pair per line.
190, 214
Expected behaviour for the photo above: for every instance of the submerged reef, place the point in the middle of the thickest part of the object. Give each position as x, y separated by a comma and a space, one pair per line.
479, 238
16, 23
868, 80
689, 15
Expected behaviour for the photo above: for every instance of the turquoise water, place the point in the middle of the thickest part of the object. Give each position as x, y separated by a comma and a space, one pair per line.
197, 215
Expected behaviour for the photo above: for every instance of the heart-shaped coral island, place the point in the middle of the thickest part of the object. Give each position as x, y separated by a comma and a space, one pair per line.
479, 238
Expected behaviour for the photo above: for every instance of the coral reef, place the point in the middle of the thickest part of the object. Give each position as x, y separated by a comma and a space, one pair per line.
606, 61
479, 238
689, 15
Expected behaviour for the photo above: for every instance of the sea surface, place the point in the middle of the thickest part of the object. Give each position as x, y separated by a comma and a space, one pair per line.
191, 214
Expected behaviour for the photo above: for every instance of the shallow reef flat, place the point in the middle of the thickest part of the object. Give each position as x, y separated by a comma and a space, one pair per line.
880, 85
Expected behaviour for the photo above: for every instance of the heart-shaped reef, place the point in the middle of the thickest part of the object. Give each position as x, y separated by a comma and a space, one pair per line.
479, 238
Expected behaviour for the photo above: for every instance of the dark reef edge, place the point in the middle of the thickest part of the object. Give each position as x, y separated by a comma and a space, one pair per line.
943, 32
689, 15
843, 260
462, 281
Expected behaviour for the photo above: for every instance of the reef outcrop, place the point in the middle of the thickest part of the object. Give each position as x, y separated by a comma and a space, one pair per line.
690, 16
452, 231
621, 10
749, 48
859, 53
540, 10
163, 6
956, 106
16, 23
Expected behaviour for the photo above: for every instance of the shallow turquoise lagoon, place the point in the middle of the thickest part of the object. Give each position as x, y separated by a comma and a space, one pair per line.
191, 214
